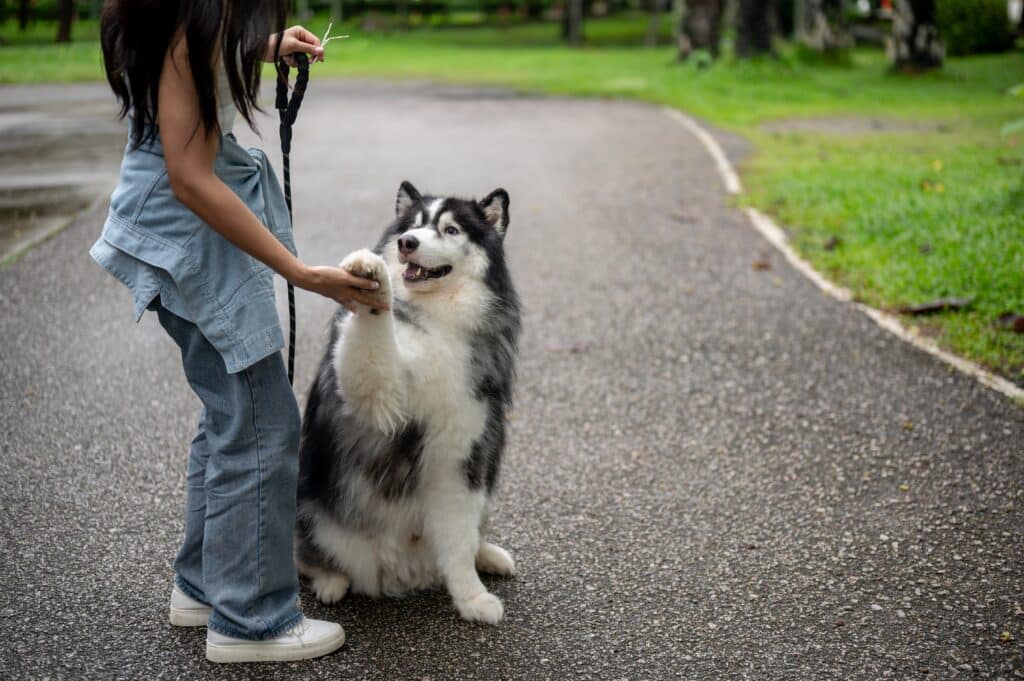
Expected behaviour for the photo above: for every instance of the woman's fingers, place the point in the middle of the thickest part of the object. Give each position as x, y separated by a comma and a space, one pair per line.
298, 39
360, 283
368, 300
305, 35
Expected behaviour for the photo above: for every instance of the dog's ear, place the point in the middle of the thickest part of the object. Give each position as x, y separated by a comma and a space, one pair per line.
407, 196
495, 208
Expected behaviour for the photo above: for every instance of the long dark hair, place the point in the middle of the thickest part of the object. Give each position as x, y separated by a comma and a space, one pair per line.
136, 35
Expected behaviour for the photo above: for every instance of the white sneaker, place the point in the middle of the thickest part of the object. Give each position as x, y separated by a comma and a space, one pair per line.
187, 611
308, 638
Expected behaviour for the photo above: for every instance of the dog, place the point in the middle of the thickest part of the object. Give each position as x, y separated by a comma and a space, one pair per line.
404, 426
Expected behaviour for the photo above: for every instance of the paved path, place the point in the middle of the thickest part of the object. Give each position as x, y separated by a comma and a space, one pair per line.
714, 471
60, 149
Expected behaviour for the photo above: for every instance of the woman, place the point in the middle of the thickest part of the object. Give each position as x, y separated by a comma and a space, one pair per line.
196, 226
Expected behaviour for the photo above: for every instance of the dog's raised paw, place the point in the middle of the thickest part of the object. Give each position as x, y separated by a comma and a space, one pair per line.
494, 560
330, 588
485, 607
368, 265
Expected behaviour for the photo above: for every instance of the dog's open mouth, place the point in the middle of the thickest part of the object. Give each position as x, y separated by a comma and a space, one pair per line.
416, 272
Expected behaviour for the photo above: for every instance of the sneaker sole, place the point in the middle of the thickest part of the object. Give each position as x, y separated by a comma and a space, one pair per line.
189, 617
260, 651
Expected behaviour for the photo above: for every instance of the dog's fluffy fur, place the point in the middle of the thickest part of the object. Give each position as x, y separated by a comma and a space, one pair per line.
405, 423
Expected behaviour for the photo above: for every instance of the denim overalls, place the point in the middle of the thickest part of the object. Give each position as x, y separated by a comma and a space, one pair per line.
217, 303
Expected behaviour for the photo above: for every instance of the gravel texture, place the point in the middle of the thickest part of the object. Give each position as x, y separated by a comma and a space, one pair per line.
714, 470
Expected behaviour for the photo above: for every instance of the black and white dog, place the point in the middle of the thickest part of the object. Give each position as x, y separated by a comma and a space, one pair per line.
405, 424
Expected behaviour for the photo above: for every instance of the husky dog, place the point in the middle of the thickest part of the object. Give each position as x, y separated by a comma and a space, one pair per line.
405, 422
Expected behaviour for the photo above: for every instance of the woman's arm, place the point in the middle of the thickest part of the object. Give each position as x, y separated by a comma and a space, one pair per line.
190, 150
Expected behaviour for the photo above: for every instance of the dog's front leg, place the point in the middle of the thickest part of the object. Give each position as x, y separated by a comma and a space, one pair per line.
451, 525
367, 360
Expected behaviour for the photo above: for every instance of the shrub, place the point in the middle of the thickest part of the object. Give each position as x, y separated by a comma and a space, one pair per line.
974, 26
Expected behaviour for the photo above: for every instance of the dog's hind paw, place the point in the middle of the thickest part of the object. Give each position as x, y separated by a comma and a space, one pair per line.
485, 607
494, 560
330, 588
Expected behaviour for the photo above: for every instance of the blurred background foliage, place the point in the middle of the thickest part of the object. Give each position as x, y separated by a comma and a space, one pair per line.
750, 26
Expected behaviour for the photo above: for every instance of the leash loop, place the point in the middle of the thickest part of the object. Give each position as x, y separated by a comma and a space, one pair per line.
288, 108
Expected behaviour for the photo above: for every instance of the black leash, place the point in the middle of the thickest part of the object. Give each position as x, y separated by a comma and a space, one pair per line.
289, 109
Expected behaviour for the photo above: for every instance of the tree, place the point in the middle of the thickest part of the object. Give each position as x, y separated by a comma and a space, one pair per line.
23, 9
65, 13
701, 27
572, 26
653, 22
337, 11
821, 25
754, 28
914, 45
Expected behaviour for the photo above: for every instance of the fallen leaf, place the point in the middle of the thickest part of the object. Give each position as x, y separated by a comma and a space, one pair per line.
925, 249
1006, 637
904, 487
831, 243
937, 305
1012, 321
761, 265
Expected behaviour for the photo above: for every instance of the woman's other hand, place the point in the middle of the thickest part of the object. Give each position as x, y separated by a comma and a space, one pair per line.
294, 39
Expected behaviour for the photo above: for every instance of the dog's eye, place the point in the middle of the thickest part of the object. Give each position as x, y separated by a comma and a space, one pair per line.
451, 230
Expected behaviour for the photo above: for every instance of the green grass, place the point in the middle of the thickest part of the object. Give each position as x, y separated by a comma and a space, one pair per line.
901, 240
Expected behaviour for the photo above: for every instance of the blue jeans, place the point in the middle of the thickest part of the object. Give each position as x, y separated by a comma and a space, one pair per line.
237, 555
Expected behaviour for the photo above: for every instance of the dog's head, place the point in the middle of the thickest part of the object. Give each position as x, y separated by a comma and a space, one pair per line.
440, 242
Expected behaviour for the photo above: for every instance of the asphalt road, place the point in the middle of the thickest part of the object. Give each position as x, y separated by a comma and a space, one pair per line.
714, 470
60, 150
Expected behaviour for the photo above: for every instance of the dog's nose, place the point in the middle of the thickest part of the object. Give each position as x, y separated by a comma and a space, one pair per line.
408, 244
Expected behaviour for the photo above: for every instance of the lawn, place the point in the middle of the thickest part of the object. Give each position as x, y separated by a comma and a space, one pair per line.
927, 202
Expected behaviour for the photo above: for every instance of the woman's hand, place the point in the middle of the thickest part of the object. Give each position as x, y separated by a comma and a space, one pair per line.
294, 39
339, 285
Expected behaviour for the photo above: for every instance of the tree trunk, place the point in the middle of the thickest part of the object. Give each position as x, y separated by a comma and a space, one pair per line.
653, 23
701, 27
754, 28
65, 13
23, 10
785, 17
572, 27
823, 26
914, 45
337, 11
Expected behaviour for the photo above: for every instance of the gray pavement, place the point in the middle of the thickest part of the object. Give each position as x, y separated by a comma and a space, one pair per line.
714, 471
60, 147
